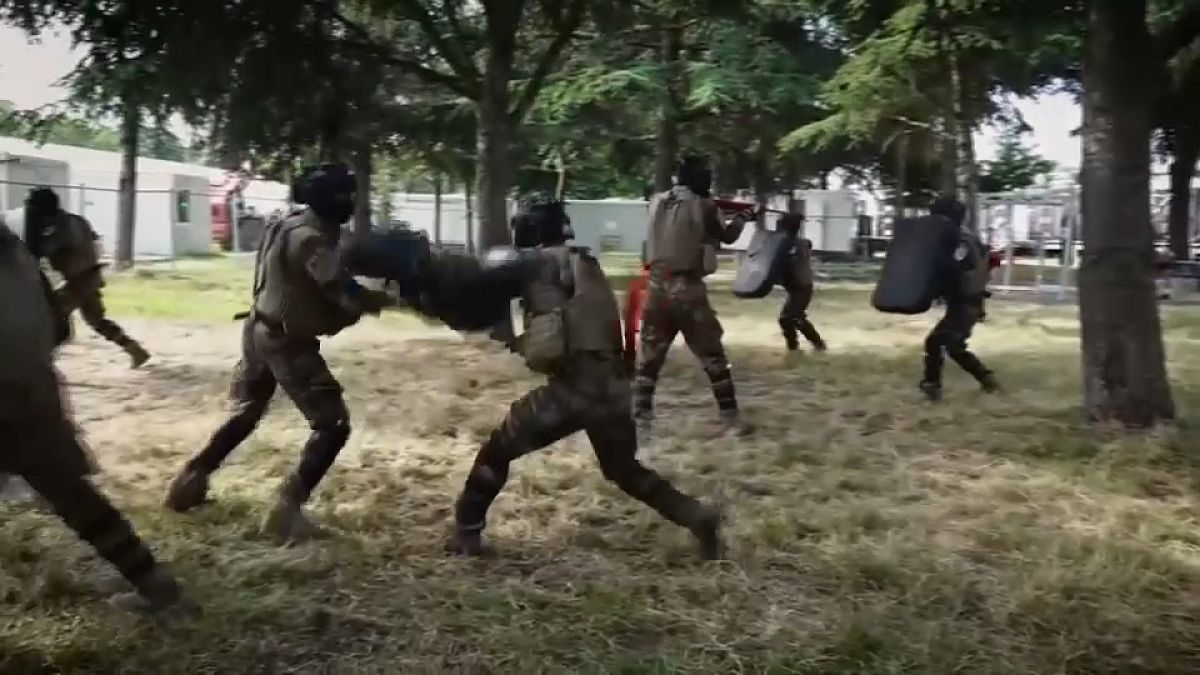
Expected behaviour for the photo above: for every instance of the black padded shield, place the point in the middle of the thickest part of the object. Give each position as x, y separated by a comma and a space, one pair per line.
759, 270
919, 259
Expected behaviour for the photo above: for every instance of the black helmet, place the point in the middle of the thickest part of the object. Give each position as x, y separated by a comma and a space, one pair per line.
693, 173
328, 189
790, 223
43, 201
41, 207
949, 207
540, 220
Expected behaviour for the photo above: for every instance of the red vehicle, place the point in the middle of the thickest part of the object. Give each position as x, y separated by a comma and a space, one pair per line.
224, 193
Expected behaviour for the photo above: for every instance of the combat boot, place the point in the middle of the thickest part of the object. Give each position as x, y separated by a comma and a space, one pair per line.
157, 591
733, 423
932, 390
467, 542
286, 521
137, 354
705, 526
989, 384
188, 490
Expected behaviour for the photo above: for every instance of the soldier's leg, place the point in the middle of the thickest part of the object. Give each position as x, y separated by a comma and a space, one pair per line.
93, 517
250, 394
787, 324
702, 331
306, 379
962, 322
931, 381
659, 328
91, 307
538, 419
615, 443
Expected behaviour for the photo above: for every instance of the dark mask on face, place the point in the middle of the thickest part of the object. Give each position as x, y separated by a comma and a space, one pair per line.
694, 175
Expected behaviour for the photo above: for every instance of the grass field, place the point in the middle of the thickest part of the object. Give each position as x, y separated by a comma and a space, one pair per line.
870, 532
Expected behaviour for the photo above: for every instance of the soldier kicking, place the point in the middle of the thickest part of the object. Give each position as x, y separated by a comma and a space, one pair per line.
573, 334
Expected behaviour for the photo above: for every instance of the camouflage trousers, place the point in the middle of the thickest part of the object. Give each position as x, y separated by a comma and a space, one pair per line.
88, 300
674, 305
39, 443
591, 395
793, 317
950, 335
271, 360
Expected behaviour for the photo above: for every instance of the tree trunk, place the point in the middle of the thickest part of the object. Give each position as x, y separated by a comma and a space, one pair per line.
1183, 168
762, 175
127, 196
1124, 374
470, 206
362, 196
437, 209
496, 132
667, 150
966, 173
900, 199
948, 142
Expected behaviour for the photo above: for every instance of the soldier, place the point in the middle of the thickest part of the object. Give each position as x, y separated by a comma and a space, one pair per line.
573, 335
963, 293
302, 290
69, 243
684, 233
39, 439
797, 280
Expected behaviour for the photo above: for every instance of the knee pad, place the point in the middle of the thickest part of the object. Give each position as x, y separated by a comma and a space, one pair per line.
336, 431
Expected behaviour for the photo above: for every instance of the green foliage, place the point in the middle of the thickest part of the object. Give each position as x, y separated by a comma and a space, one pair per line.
75, 130
1016, 165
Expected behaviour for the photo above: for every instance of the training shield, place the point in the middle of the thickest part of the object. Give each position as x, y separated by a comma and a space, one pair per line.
919, 262
759, 270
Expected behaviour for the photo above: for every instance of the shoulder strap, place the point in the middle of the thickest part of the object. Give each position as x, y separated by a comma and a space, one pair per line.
274, 233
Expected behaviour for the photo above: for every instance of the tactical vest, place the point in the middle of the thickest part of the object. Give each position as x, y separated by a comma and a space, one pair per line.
677, 240
71, 249
589, 321
285, 294
27, 337
800, 272
974, 278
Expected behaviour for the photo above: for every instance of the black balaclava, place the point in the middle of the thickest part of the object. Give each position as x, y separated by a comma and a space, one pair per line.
42, 209
327, 189
694, 174
541, 220
949, 207
791, 223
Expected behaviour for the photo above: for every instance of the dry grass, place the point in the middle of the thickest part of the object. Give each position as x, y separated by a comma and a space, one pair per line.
871, 533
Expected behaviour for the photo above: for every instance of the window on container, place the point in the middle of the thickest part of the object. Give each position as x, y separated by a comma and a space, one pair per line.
183, 206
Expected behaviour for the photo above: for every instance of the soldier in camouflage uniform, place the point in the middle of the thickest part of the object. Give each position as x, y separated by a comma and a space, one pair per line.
797, 280
684, 233
964, 295
39, 441
69, 243
573, 335
302, 290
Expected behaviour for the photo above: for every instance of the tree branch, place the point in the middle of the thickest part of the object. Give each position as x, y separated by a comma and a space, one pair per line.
365, 42
463, 67
548, 59
1180, 32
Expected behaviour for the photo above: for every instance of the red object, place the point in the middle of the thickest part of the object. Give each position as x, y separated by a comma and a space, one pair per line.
739, 206
995, 258
635, 301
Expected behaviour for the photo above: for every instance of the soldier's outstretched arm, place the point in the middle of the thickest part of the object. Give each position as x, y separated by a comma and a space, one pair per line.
726, 234
326, 266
